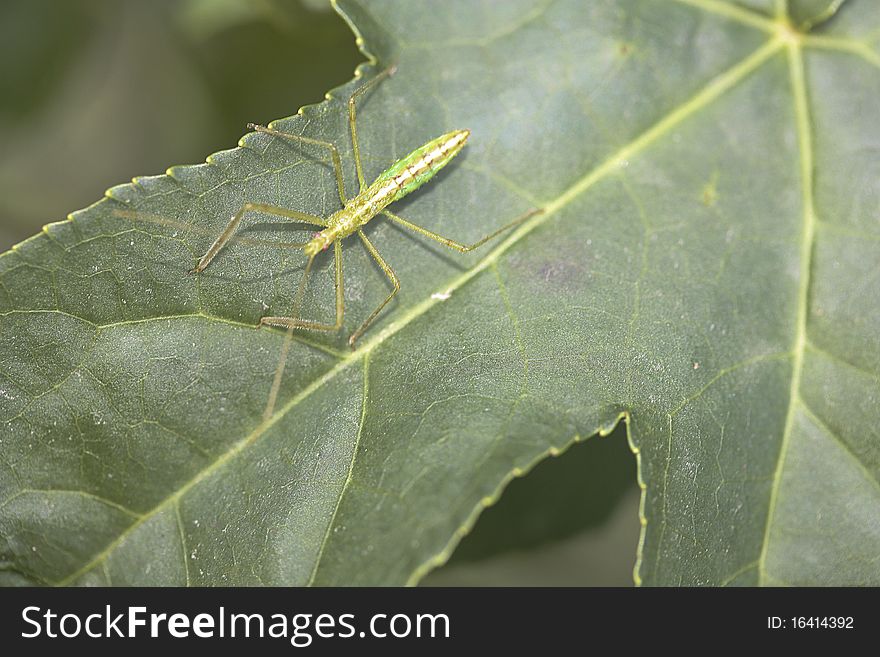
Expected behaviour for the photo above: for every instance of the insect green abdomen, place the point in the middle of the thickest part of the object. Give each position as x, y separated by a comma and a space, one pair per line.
417, 168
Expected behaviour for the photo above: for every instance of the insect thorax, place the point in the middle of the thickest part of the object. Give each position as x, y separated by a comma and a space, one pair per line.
404, 176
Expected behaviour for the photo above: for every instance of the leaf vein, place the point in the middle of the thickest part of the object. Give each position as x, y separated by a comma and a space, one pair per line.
802, 124
348, 478
820, 423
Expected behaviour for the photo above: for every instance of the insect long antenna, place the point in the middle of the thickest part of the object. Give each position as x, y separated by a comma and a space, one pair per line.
301, 290
288, 339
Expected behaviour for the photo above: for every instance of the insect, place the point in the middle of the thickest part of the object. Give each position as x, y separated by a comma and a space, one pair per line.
401, 178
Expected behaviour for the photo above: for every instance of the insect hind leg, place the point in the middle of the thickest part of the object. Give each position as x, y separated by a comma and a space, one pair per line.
458, 246
352, 119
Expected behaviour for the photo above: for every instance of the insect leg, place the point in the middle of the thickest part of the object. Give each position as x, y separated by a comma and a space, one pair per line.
458, 246
394, 281
334, 153
352, 121
309, 325
227, 233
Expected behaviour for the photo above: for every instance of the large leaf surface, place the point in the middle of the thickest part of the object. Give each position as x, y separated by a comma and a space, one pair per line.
706, 268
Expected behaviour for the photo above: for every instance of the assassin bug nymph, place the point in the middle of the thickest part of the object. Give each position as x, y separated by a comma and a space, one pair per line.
404, 176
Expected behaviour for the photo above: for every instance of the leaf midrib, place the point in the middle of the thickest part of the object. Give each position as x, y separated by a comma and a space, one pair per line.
805, 151
710, 92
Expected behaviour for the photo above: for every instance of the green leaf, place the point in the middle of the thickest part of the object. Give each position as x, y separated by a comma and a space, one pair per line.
705, 269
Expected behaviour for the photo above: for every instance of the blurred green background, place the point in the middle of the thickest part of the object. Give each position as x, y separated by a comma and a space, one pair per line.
94, 92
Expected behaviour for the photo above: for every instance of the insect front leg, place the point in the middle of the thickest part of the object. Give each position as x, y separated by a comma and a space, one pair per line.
310, 325
227, 233
458, 246
394, 281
